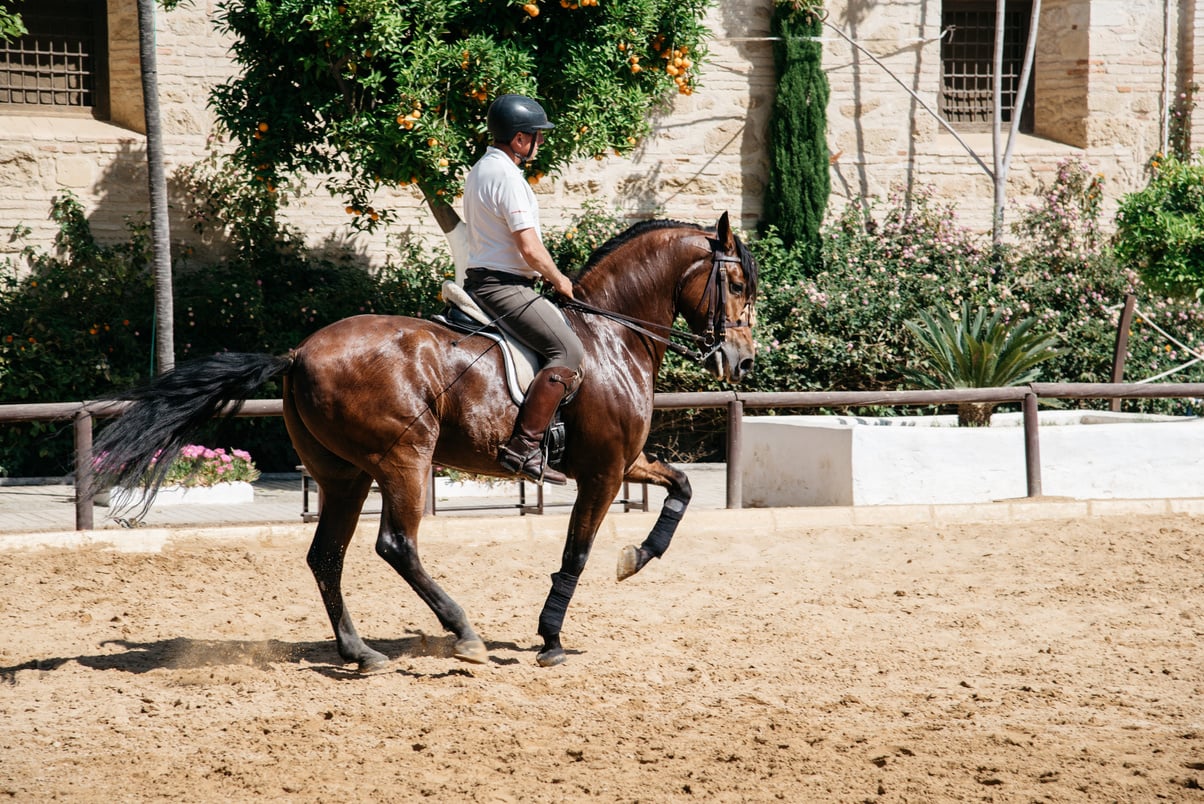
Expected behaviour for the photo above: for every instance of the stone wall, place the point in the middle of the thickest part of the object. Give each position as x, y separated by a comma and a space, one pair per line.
1099, 95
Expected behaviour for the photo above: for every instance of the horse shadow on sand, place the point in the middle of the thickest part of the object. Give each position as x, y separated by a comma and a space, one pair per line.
185, 653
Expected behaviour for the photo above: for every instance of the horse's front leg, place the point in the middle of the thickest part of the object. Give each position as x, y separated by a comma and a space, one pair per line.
650, 469
593, 499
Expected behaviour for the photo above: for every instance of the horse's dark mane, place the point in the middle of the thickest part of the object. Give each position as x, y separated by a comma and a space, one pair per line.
641, 227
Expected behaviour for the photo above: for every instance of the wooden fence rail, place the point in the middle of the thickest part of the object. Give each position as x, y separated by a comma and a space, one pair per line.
84, 413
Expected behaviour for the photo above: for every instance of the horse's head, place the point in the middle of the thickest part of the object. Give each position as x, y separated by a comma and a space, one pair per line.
716, 298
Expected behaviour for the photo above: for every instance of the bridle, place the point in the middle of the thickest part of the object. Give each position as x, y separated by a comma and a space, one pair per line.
715, 296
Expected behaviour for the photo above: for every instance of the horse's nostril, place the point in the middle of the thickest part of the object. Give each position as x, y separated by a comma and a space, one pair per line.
745, 366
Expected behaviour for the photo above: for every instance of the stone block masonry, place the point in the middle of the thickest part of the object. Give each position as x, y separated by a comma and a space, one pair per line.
1100, 91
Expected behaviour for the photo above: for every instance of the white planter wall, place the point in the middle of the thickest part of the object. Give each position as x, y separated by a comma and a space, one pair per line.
846, 460
236, 493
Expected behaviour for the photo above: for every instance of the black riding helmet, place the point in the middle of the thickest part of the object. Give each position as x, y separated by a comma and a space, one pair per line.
510, 114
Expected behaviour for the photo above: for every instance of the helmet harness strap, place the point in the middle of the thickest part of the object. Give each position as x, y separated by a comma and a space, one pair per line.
523, 160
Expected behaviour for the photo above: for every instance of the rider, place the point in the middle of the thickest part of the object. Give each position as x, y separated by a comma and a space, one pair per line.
506, 255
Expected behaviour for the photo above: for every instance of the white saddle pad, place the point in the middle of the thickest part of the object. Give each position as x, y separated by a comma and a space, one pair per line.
521, 363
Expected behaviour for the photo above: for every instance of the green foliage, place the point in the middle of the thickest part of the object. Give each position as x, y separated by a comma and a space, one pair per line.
572, 245
1180, 123
842, 328
79, 324
970, 351
371, 93
76, 324
224, 207
1160, 229
796, 195
11, 25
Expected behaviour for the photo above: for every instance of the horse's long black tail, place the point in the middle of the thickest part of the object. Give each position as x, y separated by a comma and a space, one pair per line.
137, 449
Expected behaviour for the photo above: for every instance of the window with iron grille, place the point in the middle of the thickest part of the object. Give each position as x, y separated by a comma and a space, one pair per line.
967, 63
60, 66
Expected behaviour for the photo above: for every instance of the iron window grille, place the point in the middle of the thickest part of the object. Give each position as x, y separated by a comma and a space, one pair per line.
967, 63
60, 66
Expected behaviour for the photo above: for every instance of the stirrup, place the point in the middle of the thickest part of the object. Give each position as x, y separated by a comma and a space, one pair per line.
532, 466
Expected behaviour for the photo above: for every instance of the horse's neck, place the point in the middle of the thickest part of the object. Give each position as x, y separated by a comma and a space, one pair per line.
639, 282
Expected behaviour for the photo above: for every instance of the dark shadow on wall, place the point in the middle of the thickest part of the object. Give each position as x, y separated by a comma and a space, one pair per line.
123, 198
646, 194
855, 13
747, 26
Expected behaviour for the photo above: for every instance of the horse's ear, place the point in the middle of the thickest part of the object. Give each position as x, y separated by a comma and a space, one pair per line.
723, 230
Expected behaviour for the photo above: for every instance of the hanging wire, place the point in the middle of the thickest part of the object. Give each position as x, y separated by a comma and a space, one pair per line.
1196, 356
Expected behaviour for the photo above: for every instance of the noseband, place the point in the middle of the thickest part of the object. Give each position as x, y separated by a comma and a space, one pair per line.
715, 296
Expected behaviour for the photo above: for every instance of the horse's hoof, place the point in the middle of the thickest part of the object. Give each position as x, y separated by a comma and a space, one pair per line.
629, 563
471, 650
551, 658
377, 663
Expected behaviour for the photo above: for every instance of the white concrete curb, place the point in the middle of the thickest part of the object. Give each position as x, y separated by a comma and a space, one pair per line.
629, 526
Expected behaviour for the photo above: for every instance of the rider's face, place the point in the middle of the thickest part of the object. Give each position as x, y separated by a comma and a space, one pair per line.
526, 138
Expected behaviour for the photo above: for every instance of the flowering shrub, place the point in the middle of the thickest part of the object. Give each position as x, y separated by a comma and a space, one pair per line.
1160, 229
843, 328
202, 466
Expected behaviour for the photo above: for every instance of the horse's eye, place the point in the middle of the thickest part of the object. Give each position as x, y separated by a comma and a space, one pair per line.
737, 287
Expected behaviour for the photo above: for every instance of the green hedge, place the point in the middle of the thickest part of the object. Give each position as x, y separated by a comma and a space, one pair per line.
79, 325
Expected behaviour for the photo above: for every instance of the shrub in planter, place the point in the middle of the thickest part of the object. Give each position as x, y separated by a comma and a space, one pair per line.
196, 465
194, 471
970, 351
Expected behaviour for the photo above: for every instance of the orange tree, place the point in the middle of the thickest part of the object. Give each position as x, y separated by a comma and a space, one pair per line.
367, 94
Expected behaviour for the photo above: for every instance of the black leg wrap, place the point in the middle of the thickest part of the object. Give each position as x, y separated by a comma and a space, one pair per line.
552, 617
666, 524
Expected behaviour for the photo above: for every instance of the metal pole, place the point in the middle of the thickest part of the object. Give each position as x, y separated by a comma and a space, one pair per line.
428, 507
735, 472
83, 471
1122, 345
1032, 446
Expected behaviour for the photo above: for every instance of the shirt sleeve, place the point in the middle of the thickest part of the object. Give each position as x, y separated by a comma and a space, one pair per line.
518, 207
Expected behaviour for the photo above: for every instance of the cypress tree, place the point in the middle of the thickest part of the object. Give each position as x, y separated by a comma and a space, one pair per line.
796, 195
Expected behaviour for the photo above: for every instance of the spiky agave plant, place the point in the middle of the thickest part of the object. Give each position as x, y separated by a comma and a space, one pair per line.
971, 351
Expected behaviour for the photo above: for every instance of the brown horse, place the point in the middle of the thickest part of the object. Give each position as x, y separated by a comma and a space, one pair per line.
379, 398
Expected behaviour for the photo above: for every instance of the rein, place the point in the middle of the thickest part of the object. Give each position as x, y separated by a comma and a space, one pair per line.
716, 308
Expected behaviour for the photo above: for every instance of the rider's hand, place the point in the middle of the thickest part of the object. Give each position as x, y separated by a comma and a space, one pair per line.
561, 284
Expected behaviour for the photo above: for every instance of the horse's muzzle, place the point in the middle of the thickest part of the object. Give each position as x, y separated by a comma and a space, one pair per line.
730, 362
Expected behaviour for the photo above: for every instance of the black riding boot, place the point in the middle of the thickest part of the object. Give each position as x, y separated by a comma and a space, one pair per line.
523, 453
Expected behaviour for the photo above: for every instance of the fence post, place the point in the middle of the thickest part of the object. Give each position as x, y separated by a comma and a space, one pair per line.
735, 471
1122, 346
1032, 446
83, 471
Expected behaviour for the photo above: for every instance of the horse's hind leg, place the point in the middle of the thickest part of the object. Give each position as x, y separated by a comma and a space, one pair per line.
648, 468
397, 543
342, 502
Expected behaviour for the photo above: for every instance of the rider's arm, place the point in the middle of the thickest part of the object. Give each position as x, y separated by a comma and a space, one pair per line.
536, 255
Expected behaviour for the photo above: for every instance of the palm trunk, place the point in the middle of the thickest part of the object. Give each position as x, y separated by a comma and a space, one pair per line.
165, 349
974, 414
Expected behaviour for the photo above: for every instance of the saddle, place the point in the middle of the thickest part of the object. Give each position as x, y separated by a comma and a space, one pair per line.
520, 364
463, 315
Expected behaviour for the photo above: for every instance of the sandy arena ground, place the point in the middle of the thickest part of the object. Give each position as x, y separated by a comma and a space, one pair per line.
1057, 661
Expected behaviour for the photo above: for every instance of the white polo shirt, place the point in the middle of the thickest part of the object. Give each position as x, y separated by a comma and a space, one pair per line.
498, 201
